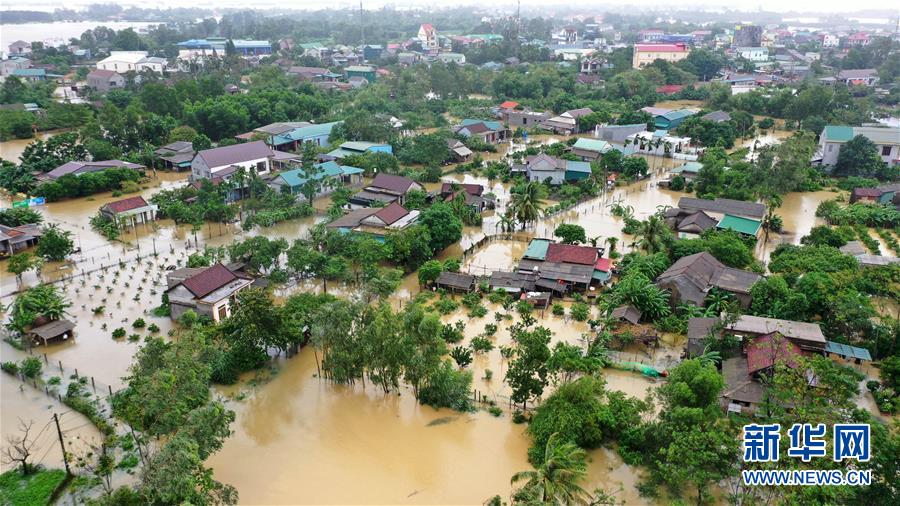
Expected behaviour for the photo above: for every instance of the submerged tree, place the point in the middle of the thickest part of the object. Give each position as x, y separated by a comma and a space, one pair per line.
556, 479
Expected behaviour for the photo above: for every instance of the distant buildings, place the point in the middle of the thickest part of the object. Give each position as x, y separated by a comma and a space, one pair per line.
20, 48
754, 54
176, 155
351, 148
216, 46
428, 36
645, 54
886, 140
747, 36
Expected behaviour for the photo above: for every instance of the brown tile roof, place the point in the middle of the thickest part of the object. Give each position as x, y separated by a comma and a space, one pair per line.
209, 280
571, 254
471, 189
725, 206
765, 351
120, 206
391, 213
390, 182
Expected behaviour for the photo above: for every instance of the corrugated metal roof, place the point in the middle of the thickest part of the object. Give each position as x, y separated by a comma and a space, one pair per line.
847, 351
739, 225
591, 145
537, 249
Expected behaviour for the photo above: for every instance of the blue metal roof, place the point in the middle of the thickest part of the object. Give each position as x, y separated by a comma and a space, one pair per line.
298, 177
847, 351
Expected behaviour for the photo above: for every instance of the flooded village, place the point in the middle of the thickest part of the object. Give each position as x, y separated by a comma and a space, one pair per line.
568, 264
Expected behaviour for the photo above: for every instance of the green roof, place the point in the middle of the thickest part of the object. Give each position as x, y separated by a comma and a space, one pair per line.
537, 249
739, 224
573, 166
493, 125
305, 132
838, 133
847, 351
298, 177
601, 276
30, 72
677, 114
311, 45
591, 145
689, 167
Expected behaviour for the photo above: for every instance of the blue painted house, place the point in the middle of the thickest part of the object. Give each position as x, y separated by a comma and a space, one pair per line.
294, 139
332, 174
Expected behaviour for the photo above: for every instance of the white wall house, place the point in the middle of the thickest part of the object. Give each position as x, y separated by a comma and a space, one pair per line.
886, 140
122, 61
253, 156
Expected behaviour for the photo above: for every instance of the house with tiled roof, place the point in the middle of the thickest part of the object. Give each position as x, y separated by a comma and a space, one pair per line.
471, 194
645, 54
543, 167
105, 80
210, 292
15, 239
376, 220
567, 122
560, 268
130, 211
384, 189
428, 36
459, 152
176, 155
690, 279
253, 157
80, 167
490, 132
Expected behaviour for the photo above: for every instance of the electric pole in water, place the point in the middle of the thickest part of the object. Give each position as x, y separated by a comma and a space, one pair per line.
62, 444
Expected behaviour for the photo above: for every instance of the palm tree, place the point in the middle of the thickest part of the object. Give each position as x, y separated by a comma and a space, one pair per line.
527, 205
709, 356
652, 234
612, 241
507, 222
555, 481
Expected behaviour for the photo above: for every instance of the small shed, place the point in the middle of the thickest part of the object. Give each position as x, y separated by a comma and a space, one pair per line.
455, 281
537, 299
848, 352
53, 330
628, 313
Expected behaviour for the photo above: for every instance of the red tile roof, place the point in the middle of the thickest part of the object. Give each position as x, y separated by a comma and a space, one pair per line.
569, 253
209, 280
603, 264
120, 206
765, 351
509, 104
867, 192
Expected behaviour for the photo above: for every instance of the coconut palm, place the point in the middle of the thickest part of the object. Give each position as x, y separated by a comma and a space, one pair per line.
773, 202
652, 235
612, 241
527, 205
709, 357
555, 481
507, 222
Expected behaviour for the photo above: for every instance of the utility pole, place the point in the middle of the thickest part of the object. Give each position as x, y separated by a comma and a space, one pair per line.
62, 444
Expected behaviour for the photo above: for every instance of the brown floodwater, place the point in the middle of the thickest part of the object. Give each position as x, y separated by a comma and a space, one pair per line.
12, 149
299, 439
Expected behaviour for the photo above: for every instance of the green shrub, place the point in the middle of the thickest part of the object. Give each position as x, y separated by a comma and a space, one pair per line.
10, 367
31, 367
490, 329
580, 311
153, 327
118, 333
494, 410
557, 309
139, 323
35, 489
481, 344
448, 388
